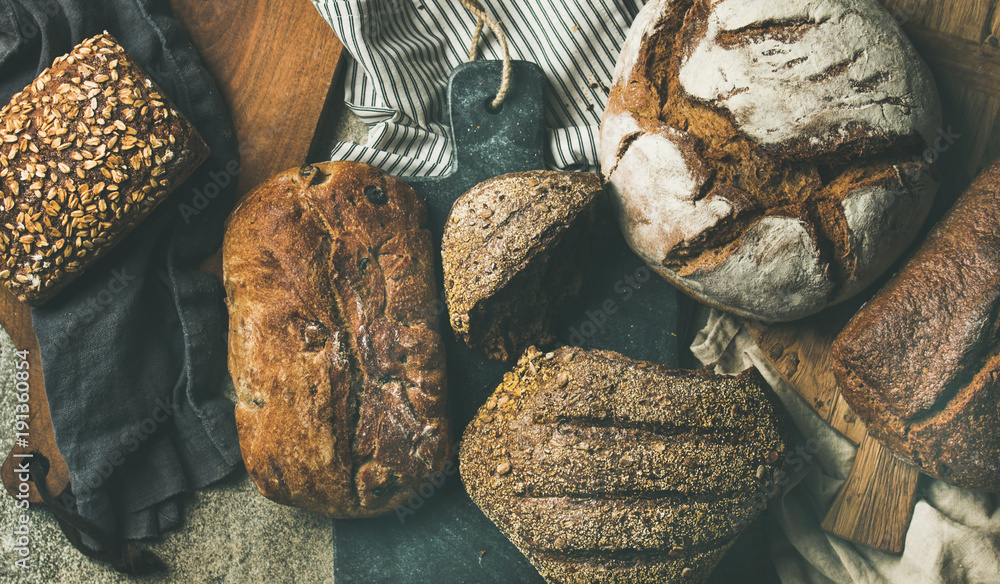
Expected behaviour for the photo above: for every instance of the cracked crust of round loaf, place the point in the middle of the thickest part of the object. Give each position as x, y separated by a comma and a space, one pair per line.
737, 123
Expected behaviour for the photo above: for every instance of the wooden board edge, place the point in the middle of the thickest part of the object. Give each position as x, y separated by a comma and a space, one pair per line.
875, 504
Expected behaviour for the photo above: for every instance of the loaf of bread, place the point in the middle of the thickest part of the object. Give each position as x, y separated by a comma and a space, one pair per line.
603, 469
920, 362
516, 250
767, 157
86, 152
334, 347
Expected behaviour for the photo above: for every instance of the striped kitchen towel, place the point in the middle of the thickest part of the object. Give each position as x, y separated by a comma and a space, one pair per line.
404, 51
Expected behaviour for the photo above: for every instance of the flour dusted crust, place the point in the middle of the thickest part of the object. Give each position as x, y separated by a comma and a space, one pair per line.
845, 61
765, 156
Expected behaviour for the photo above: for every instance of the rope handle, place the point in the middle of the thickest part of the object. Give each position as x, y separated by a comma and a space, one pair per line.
477, 10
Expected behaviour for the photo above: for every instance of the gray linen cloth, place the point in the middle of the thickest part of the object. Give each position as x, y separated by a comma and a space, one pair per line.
133, 351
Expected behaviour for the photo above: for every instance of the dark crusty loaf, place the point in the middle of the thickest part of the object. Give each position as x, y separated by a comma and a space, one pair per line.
765, 157
516, 250
920, 362
603, 469
334, 346
86, 152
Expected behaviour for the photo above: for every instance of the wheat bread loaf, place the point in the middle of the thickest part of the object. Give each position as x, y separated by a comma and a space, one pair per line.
919, 363
334, 347
604, 469
87, 150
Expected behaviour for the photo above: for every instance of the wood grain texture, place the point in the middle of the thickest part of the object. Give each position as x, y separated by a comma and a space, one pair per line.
875, 504
15, 317
274, 62
959, 41
800, 351
867, 498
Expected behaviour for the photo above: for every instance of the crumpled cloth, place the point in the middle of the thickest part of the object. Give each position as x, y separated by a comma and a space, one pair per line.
133, 352
954, 535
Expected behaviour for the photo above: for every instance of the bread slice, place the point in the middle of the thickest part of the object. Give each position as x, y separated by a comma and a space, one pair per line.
604, 469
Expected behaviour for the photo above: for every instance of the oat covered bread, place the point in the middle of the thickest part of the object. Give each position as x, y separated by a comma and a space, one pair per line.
87, 150
334, 347
516, 250
604, 469
920, 362
767, 157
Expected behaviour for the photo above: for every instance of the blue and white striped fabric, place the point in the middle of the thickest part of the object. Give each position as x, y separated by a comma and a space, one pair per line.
404, 50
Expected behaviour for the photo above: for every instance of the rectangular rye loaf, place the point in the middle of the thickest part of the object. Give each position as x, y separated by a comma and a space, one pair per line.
919, 363
87, 150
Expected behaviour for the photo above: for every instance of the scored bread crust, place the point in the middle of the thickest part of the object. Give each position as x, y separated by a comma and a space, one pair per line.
920, 362
765, 156
604, 469
334, 347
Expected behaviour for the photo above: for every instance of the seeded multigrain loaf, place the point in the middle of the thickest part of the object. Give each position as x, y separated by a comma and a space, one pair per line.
603, 469
920, 362
516, 251
334, 347
766, 156
86, 152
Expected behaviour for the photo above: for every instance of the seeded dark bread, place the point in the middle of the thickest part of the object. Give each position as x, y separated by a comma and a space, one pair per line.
604, 469
334, 347
87, 150
920, 362
766, 157
516, 250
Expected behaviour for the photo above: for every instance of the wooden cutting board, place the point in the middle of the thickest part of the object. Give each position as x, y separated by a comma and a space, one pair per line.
274, 62
959, 40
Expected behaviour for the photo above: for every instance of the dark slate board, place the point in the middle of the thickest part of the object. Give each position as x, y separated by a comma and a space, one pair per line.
441, 536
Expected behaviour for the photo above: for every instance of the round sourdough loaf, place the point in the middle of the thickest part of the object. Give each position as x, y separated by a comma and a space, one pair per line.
767, 157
